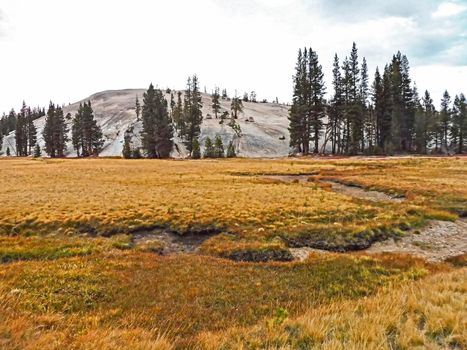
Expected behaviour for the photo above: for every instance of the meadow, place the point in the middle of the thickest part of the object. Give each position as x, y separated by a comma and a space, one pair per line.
72, 276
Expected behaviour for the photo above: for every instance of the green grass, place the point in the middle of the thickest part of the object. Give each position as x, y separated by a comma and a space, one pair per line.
45, 248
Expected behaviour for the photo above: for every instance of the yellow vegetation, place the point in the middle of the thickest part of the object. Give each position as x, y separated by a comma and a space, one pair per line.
430, 314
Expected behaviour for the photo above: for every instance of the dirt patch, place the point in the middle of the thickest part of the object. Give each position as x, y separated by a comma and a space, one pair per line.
353, 191
358, 192
169, 242
438, 241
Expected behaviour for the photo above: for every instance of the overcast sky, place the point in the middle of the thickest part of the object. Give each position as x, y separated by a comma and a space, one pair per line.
66, 50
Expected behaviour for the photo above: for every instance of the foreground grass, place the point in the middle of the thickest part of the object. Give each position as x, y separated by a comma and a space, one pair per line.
110, 196
430, 314
137, 299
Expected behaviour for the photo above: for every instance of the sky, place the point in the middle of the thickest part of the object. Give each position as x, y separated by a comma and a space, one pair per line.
66, 50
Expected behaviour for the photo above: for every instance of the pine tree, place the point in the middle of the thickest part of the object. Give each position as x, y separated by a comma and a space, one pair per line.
177, 115
385, 126
126, 152
60, 132
195, 150
307, 111
77, 132
363, 95
31, 131
336, 105
231, 153
20, 135
316, 102
355, 113
459, 123
55, 132
445, 120
192, 113
208, 148
420, 125
236, 107
218, 148
86, 134
48, 131
216, 107
157, 133
407, 124
429, 121
37, 151
137, 108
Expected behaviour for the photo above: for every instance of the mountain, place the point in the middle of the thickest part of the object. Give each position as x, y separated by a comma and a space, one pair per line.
263, 125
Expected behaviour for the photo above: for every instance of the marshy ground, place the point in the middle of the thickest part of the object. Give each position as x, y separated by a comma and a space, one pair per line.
110, 253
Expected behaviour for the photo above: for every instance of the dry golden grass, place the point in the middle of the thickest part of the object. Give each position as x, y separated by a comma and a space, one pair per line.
62, 290
430, 314
108, 196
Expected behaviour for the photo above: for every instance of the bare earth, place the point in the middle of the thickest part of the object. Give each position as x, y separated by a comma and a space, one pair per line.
437, 241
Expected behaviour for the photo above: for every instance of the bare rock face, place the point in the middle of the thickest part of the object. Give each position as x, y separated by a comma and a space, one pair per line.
265, 133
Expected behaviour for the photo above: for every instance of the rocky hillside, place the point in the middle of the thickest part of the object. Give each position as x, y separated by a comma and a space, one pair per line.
263, 125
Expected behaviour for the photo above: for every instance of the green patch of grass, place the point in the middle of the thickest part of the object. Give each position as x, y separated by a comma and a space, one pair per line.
122, 241
43, 248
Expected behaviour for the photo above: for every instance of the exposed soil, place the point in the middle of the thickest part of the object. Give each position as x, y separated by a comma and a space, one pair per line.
361, 193
171, 242
437, 241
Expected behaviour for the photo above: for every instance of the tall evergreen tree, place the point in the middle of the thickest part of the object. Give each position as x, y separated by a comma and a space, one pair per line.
445, 119
218, 148
208, 148
307, 111
216, 107
87, 136
137, 108
459, 123
195, 150
355, 113
177, 116
236, 107
316, 101
407, 124
157, 133
31, 130
127, 152
21, 133
55, 132
192, 112
336, 105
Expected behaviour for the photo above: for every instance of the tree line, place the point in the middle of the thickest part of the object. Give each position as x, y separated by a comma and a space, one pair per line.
86, 135
181, 116
385, 117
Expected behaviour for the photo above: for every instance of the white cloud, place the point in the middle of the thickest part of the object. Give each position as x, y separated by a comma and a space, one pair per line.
448, 9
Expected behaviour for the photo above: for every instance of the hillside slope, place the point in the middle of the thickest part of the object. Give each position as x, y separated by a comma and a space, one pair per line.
264, 125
